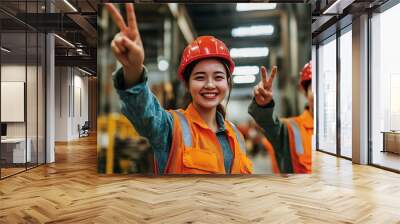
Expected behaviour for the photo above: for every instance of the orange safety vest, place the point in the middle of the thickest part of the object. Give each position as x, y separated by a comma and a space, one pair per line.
195, 148
300, 130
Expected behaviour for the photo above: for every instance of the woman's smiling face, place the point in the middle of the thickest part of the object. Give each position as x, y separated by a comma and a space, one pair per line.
208, 83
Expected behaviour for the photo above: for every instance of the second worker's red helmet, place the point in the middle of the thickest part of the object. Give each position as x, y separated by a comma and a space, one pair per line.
306, 73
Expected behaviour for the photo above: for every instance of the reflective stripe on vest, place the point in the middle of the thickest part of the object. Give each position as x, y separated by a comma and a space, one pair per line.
239, 138
187, 136
297, 138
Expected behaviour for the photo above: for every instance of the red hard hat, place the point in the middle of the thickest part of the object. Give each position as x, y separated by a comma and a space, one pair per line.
306, 73
204, 47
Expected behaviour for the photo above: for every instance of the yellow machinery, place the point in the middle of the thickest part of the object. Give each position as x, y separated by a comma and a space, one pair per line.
109, 126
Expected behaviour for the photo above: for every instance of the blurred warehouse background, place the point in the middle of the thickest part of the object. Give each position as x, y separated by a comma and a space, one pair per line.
257, 34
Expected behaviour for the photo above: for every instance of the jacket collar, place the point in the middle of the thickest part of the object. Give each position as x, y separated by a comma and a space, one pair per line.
306, 117
195, 117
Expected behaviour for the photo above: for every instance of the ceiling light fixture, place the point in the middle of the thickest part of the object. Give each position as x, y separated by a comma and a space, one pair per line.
65, 41
240, 7
242, 79
70, 5
5, 50
163, 65
79, 51
246, 31
84, 71
249, 52
246, 70
337, 7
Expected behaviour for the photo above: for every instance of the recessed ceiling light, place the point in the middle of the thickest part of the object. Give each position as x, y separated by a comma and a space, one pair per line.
242, 79
260, 30
246, 70
337, 7
5, 50
84, 71
65, 41
249, 52
254, 6
70, 5
163, 65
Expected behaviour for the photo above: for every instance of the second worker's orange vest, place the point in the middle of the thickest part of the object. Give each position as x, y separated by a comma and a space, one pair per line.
195, 148
300, 131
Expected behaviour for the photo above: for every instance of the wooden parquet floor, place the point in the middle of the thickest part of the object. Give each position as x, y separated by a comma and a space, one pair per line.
9, 171
71, 191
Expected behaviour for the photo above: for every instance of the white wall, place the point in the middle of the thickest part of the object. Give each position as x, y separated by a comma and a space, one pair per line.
13, 73
71, 93
61, 104
80, 100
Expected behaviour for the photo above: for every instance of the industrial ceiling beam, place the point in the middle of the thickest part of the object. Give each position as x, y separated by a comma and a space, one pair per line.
84, 24
184, 22
82, 61
329, 14
337, 7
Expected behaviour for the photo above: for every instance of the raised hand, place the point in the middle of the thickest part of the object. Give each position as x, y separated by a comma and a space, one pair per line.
127, 45
263, 90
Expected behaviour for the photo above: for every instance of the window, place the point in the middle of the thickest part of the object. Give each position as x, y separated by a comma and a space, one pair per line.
346, 93
22, 74
385, 89
327, 96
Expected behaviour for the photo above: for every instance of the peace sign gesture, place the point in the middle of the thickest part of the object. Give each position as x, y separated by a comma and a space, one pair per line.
127, 45
263, 90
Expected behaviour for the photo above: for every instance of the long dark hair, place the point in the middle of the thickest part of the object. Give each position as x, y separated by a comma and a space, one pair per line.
189, 69
305, 85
